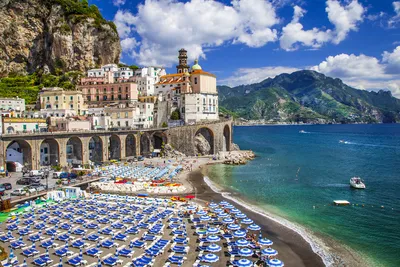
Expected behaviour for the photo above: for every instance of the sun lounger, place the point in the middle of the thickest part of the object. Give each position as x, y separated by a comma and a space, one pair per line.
76, 261
125, 252
94, 252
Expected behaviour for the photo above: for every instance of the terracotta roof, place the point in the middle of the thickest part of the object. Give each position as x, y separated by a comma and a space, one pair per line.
202, 72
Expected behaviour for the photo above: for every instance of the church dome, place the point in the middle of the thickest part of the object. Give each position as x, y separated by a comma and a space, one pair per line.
196, 65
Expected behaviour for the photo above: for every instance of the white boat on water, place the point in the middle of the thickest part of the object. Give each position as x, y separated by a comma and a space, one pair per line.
357, 183
302, 131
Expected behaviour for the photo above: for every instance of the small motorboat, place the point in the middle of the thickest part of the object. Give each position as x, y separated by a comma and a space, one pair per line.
302, 131
357, 183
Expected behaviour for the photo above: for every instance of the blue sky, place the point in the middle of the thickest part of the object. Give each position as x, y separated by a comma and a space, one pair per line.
246, 41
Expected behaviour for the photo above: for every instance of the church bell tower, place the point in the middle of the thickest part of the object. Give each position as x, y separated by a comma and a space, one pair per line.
183, 66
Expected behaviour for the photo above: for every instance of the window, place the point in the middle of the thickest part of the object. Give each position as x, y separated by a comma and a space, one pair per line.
56, 98
126, 114
119, 97
71, 106
104, 90
71, 98
118, 115
126, 96
56, 106
48, 98
112, 97
119, 90
126, 123
104, 97
195, 80
126, 89
24, 127
98, 98
119, 123
89, 98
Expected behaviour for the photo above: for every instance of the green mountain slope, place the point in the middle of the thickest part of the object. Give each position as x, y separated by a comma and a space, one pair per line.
308, 96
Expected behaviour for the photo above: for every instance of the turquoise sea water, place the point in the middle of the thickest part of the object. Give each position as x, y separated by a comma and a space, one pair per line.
296, 171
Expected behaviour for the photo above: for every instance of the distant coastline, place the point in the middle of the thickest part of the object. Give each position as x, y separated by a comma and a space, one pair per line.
257, 123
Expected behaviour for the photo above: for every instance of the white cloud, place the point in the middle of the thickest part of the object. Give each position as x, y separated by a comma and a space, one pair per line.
255, 75
344, 18
293, 33
392, 61
129, 44
119, 2
351, 66
394, 21
165, 26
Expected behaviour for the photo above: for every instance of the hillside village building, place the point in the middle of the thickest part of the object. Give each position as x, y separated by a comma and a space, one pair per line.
58, 102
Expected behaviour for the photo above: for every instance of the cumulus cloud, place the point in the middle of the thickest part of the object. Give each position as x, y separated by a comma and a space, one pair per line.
164, 26
344, 18
129, 45
392, 61
119, 2
255, 75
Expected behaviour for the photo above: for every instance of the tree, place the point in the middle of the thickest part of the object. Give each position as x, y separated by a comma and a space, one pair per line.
164, 124
175, 115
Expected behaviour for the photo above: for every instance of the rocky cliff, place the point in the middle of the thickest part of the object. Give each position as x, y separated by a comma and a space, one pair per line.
54, 35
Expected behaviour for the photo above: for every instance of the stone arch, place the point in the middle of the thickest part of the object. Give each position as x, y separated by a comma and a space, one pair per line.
145, 144
114, 147
226, 146
49, 152
130, 145
96, 149
74, 150
204, 141
10, 130
18, 153
158, 138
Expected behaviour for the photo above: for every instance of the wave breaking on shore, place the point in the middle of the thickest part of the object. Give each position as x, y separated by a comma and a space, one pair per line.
317, 245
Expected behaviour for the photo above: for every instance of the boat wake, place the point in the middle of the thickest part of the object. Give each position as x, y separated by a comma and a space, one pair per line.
317, 245
367, 145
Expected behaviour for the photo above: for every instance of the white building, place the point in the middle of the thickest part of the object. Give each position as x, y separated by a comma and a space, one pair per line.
146, 78
23, 125
12, 104
199, 107
118, 73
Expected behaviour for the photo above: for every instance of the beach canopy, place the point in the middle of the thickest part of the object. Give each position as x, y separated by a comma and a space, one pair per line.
233, 227
218, 210
213, 248
242, 243
244, 263
205, 218
235, 211
265, 242
223, 203
254, 227
213, 205
213, 238
191, 208
246, 252
275, 263
240, 215
269, 252
210, 258
247, 221
228, 220
201, 212
239, 233
212, 230
223, 214
190, 197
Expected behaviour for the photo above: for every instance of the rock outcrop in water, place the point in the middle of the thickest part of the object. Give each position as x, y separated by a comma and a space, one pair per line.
54, 35
238, 157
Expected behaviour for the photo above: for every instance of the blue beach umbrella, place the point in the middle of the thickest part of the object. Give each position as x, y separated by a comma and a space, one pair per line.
116, 252
223, 215
233, 227
229, 206
60, 264
247, 221
213, 248
235, 211
223, 203
80, 253
242, 243
210, 258
218, 210
239, 233
269, 252
240, 216
205, 218
24, 263
213, 238
254, 227
201, 212
212, 230
265, 242
191, 208
228, 220
213, 205
246, 252
244, 263
275, 263
99, 263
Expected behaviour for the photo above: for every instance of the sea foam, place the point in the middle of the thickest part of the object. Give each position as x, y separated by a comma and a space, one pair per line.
317, 245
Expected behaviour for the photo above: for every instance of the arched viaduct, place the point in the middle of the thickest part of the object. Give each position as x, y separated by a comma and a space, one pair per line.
61, 148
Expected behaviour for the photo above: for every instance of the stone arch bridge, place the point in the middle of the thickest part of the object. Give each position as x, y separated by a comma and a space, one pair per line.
80, 147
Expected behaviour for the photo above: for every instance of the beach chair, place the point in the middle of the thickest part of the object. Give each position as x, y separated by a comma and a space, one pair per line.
108, 244
132, 231
94, 252
77, 261
63, 252
4, 238
121, 237
47, 244
93, 237
17, 244
126, 252
112, 261
79, 244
